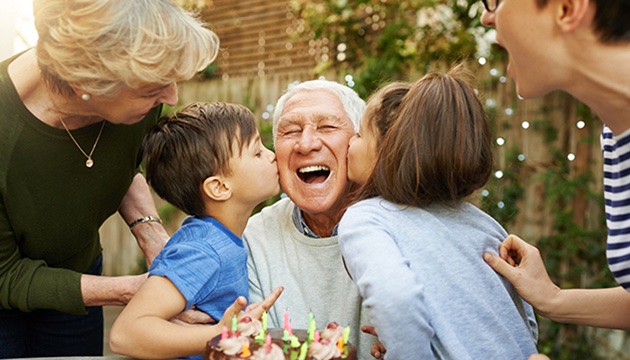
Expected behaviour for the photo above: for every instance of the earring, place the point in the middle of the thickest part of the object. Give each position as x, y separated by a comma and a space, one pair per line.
86, 97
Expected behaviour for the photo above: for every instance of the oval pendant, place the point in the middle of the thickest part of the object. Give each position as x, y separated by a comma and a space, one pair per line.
89, 163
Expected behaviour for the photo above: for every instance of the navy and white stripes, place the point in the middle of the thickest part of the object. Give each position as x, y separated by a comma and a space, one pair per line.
616, 151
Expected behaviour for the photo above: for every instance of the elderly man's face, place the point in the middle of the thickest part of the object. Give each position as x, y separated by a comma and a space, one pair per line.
311, 147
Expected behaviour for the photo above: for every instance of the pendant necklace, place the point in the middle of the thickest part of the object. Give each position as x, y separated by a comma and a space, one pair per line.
89, 162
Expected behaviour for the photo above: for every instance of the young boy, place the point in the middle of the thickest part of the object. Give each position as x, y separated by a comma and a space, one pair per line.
207, 160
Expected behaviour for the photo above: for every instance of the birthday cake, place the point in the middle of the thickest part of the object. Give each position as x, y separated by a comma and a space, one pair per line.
250, 339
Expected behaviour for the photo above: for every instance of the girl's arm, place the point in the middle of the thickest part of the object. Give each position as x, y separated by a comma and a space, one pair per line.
389, 288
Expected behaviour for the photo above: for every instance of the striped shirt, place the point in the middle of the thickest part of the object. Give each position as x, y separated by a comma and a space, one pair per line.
616, 152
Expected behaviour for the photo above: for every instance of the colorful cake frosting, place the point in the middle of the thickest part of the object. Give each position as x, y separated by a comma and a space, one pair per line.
250, 339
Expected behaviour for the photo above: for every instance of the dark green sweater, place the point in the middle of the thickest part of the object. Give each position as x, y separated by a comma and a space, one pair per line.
52, 205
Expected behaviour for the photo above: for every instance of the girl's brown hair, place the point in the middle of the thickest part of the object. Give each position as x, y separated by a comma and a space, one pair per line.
438, 148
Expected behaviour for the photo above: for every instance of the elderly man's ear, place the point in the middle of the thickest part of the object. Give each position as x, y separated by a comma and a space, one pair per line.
216, 189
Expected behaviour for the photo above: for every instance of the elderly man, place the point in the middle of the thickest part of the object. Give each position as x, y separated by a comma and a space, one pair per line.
294, 242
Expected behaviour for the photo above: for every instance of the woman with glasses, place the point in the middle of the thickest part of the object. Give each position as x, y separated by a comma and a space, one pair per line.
583, 48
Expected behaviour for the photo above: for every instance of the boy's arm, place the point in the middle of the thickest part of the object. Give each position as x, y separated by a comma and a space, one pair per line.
143, 329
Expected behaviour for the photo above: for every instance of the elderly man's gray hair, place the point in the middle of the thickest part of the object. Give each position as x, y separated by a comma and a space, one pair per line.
352, 103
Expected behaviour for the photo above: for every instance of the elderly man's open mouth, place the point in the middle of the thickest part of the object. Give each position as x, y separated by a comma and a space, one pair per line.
315, 174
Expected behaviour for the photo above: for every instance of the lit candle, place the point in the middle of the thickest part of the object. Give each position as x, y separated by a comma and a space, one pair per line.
311, 327
246, 353
264, 321
303, 351
340, 344
295, 343
286, 319
260, 338
268, 343
346, 334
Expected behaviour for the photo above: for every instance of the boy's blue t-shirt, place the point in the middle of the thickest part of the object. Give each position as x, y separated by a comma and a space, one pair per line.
207, 263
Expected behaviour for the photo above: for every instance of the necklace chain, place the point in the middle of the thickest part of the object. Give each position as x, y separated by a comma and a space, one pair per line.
89, 162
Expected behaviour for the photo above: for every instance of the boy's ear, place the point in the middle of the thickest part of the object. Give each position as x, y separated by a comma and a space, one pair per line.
572, 14
216, 189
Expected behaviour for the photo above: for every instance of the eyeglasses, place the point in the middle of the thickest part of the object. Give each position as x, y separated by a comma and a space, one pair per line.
491, 5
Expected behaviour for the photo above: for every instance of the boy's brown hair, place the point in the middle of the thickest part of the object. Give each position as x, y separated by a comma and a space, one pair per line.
184, 149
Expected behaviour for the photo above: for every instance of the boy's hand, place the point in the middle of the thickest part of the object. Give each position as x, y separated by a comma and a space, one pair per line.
256, 310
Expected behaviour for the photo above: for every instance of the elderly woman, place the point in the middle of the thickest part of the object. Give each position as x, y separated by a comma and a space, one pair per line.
73, 113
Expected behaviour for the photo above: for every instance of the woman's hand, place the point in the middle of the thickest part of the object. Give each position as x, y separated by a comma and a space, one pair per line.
522, 265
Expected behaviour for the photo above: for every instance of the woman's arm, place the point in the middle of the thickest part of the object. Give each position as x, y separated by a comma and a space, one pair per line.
522, 265
138, 203
107, 290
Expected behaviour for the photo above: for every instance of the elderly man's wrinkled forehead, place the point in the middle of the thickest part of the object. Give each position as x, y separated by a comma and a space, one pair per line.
319, 108
315, 117
351, 104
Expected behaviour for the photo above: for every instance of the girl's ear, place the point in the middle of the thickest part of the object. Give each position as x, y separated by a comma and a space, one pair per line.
572, 14
216, 189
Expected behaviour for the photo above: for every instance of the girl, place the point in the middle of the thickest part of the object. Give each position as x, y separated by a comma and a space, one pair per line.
411, 242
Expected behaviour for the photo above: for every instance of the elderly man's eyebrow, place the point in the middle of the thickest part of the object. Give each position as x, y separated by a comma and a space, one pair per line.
295, 119
320, 117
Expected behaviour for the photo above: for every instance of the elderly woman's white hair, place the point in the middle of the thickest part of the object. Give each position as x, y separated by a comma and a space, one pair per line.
352, 103
101, 45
